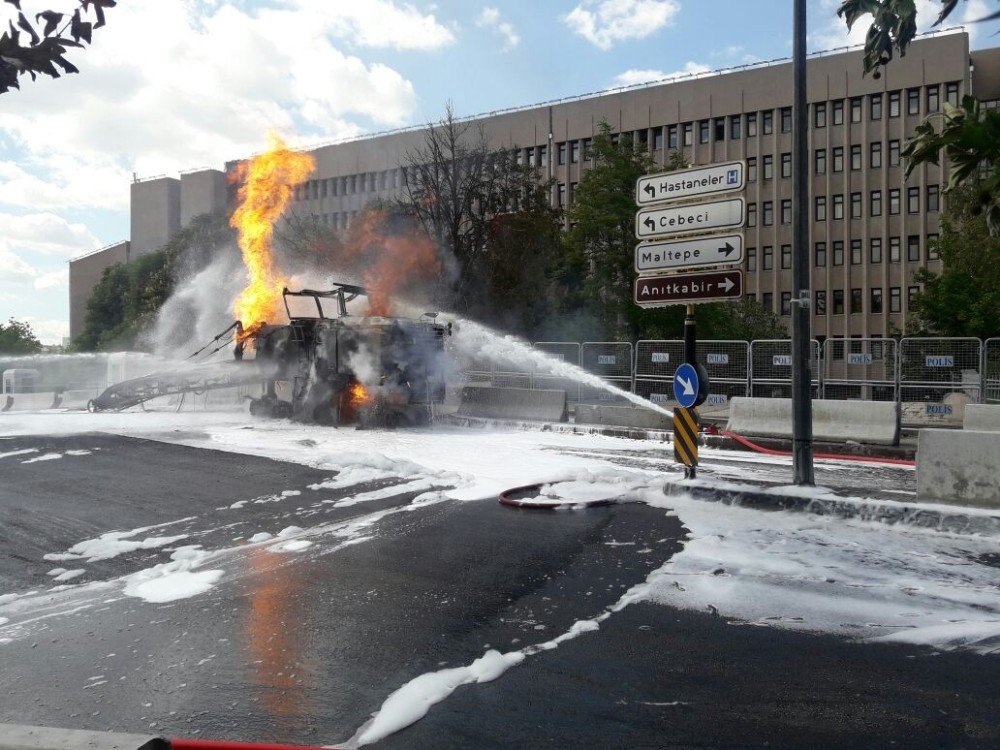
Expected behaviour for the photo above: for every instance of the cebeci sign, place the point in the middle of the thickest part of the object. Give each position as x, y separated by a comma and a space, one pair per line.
696, 182
690, 218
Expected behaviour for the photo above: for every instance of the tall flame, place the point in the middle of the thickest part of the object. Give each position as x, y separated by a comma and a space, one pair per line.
268, 181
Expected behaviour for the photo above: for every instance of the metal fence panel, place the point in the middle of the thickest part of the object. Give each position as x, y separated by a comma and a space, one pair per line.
612, 362
728, 366
567, 351
771, 368
937, 378
991, 371
865, 369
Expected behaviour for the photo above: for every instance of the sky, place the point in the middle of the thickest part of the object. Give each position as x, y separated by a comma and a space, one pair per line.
173, 86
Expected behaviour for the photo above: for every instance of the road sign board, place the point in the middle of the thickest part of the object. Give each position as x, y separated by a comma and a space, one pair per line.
689, 253
690, 218
686, 385
696, 182
688, 288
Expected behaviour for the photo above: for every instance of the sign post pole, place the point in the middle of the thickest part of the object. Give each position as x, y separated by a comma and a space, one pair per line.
691, 357
802, 455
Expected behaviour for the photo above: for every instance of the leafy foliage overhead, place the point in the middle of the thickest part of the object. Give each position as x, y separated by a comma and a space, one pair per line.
894, 24
40, 47
17, 337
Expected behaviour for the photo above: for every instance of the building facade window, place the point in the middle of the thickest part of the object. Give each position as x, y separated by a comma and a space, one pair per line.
786, 257
752, 169
703, 131
751, 259
951, 93
913, 248
819, 213
819, 161
875, 154
856, 157
875, 250
574, 152
875, 203
911, 295
876, 299
672, 137
767, 213
720, 129
894, 152
767, 166
767, 301
821, 302
913, 101
932, 247
838, 301
560, 153
894, 250
561, 194
786, 119
895, 299
751, 214
855, 205
875, 106
819, 115
933, 198
894, 202
820, 252
786, 165
913, 200
838, 253
838, 207
543, 157
752, 125
587, 145
838, 159
657, 139
857, 301
687, 130
933, 98
735, 129
857, 253
856, 109
768, 258
767, 122
838, 112
786, 211
893, 104
786, 303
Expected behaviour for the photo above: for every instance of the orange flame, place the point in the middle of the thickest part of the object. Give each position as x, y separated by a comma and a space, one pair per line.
393, 260
359, 394
268, 183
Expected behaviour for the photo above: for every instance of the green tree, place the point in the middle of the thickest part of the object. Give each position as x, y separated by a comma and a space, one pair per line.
17, 337
893, 27
47, 41
597, 271
964, 299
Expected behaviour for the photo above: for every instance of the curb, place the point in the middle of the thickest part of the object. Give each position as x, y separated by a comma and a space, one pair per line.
890, 512
23, 737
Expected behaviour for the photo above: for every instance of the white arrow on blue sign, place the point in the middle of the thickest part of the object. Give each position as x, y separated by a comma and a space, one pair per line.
686, 385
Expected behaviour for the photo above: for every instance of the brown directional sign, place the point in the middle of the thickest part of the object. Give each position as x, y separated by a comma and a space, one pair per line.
688, 288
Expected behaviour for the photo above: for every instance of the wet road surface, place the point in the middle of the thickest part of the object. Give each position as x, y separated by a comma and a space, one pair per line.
303, 646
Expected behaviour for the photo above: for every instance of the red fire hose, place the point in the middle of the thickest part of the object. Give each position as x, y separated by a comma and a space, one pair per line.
175, 744
840, 457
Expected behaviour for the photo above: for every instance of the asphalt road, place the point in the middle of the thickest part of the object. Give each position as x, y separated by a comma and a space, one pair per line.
304, 647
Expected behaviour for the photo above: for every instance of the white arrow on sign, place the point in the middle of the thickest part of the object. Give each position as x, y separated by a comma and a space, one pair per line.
690, 218
689, 253
696, 182
686, 385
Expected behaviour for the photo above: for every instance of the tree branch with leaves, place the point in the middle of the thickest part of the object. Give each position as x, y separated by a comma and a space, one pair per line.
46, 41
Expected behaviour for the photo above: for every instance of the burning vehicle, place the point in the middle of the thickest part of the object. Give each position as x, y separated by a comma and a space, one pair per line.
333, 368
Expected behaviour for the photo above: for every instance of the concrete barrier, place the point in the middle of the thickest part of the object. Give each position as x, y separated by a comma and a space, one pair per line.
19, 737
982, 417
833, 420
513, 403
28, 401
622, 416
959, 466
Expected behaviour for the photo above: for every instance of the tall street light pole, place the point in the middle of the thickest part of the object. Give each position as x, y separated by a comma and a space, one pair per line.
802, 455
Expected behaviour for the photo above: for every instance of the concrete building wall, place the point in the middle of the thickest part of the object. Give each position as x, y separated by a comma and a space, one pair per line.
201, 192
84, 273
155, 214
877, 230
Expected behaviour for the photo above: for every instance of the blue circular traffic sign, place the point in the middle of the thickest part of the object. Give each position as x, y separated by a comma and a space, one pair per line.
686, 385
